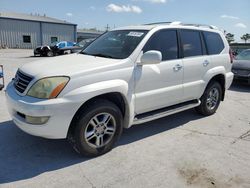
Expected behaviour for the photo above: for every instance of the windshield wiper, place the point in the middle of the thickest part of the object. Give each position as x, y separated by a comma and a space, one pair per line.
98, 55
82, 52
102, 55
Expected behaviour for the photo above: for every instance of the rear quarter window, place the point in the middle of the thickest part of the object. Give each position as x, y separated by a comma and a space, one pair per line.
213, 42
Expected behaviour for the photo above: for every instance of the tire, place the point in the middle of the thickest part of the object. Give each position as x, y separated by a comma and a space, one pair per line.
210, 100
94, 137
50, 54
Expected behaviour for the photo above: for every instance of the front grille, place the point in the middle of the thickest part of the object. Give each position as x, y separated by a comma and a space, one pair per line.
21, 81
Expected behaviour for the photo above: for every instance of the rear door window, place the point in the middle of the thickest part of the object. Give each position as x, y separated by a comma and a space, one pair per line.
214, 42
191, 43
164, 41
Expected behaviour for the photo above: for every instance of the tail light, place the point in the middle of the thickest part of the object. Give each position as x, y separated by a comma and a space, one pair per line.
231, 56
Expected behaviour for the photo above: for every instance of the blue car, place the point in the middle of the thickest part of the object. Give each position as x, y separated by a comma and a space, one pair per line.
1, 78
53, 49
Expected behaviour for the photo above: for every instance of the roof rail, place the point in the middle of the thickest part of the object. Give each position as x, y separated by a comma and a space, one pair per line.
158, 23
200, 25
183, 24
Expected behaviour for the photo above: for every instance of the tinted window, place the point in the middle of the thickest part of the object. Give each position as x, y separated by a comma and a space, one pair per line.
70, 43
214, 43
61, 45
26, 39
191, 43
244, 55
164, 41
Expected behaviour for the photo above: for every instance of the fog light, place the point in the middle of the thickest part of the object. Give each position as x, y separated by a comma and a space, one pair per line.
36, 120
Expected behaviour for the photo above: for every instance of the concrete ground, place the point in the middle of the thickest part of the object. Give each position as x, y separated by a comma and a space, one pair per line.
182, 150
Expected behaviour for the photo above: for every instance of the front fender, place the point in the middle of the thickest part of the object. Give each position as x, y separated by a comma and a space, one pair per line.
87, 92
81, 95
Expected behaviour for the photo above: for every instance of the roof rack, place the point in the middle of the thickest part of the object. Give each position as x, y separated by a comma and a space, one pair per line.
200, 25
183, 24
158, 23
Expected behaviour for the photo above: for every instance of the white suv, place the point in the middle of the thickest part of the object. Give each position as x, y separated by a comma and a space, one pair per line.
127, 76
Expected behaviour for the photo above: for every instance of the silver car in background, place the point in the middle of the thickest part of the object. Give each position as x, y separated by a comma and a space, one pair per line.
241, 66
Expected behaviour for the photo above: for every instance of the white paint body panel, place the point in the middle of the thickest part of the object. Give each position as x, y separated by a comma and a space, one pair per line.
143, 87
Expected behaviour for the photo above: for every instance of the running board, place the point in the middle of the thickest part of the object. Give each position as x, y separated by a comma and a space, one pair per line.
156, 114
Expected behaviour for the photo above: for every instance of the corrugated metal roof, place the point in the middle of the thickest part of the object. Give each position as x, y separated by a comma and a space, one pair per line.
89, 31
32, 17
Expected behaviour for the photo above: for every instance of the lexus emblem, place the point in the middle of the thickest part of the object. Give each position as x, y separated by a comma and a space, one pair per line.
16, 80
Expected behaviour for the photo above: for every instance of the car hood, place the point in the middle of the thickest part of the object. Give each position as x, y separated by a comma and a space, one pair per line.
241, 64
68, 65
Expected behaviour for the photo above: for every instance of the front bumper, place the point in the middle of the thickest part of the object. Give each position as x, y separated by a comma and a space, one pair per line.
36, 52
60, 112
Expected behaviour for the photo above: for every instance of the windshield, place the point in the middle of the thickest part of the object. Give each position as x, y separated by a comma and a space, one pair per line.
244, 55
85, 42
115, 44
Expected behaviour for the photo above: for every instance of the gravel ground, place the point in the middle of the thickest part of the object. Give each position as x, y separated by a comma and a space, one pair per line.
182, 150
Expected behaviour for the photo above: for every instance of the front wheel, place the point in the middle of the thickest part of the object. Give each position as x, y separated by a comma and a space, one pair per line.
210, 100
98, 127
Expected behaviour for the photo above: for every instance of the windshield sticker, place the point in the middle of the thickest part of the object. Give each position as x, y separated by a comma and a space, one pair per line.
135, 34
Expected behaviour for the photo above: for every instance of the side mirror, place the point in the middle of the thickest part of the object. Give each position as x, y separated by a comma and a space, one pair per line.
151, 57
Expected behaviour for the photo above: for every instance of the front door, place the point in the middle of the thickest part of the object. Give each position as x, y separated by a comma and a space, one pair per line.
159, 85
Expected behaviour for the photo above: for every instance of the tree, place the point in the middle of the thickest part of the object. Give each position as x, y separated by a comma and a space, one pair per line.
245, 37
230, 37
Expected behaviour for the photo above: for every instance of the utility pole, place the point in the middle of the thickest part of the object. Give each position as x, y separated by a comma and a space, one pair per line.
107, 27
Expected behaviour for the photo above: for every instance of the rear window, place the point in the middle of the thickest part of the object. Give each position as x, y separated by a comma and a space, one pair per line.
214, 43
191, 43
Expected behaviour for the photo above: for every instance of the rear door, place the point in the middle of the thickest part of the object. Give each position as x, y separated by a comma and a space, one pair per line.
196, 63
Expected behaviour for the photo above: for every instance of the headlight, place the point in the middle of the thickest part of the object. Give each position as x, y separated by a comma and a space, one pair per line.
48, 88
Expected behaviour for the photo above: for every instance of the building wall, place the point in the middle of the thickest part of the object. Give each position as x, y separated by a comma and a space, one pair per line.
12, 31
62, 32
86, 35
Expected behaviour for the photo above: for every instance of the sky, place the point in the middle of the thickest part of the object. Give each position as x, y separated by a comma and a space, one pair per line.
230, 15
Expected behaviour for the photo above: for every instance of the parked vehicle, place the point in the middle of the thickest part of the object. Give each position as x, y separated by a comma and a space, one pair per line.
1, 78
241, 66
127, 76
78, 46
57, 48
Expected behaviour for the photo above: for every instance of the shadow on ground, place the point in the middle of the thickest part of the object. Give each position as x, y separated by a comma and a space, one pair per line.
240, 87
24, 156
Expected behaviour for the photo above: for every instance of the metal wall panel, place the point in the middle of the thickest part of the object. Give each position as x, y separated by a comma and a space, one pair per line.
12, 31
62, 32
86, 35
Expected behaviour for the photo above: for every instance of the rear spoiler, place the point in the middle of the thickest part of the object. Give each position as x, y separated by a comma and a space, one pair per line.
1, 78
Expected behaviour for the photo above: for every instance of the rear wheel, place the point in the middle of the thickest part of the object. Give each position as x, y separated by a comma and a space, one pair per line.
50, 54
210, 100
97, 129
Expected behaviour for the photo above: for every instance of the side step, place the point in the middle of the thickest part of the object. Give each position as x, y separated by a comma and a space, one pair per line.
156, 114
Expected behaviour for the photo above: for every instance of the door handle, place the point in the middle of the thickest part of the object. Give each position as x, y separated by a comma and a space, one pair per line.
177, 67
205, 63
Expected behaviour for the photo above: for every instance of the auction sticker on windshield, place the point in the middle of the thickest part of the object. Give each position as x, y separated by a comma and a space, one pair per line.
135, 34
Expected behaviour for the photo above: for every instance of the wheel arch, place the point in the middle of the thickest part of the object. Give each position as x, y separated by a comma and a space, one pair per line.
115, 97
220, 78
